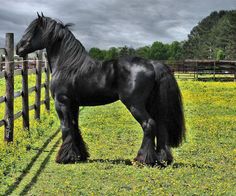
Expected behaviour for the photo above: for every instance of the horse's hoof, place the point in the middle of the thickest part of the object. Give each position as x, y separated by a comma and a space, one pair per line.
72, 152
141, 161
69, 156
152, 159
68, 160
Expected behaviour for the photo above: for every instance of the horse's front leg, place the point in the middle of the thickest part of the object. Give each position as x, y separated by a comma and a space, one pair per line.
73, 148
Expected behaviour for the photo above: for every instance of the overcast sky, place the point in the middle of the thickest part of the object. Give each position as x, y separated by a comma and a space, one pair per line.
107, 23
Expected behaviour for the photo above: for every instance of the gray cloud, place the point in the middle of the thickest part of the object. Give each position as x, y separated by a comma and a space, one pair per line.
107, 23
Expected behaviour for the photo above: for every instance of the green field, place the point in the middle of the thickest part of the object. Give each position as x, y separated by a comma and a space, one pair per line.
204, 164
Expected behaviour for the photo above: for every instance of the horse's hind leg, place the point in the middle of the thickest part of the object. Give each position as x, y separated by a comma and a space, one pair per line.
147, 153
73, 147
162, 148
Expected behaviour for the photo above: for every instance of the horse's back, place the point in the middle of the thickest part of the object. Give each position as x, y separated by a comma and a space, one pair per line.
135, 78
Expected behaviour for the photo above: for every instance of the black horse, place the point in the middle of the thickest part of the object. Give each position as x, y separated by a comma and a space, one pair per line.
147, 88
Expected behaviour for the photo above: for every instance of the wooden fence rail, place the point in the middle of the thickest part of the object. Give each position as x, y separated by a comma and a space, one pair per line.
8, 73
205, 69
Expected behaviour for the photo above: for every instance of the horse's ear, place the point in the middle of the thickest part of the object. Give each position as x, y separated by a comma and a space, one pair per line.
40, 19
42, 14
38, 15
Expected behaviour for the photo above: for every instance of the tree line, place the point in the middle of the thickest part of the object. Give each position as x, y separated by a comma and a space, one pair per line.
213, 38
157, 51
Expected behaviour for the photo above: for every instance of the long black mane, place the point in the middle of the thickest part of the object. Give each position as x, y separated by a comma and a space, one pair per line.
74, 59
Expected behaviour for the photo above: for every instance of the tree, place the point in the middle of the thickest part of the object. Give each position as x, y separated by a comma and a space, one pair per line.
230, 29
112, 53
159, 51
124, 51
220, 55
131, 51
97, 53
216, 31
143, 52
175, 51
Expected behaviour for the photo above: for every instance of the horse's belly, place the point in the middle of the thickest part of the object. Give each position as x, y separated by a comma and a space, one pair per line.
97, 98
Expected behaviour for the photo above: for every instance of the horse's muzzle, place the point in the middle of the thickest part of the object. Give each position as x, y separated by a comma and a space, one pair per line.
19, 50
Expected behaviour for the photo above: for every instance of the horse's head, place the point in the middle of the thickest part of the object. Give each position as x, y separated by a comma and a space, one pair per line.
34, 37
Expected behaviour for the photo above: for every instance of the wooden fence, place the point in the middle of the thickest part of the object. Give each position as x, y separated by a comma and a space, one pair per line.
204, 69
8, 73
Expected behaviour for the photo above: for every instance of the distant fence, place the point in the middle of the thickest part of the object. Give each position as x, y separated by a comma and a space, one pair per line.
204, 69
24, 70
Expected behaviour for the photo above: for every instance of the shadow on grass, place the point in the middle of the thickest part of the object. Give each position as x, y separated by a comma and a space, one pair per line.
128, 162
41, 168
114, 162
191, 165
30, 165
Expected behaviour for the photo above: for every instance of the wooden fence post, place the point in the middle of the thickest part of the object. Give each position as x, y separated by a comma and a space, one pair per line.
9, 75
1, 63
25, 94
196, 70
214, 71
47, 81
234, 72
38, 84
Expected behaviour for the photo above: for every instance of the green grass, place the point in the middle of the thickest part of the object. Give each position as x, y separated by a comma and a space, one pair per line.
204, 164
15, 157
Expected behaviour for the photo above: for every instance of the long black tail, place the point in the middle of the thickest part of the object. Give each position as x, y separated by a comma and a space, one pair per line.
165, 105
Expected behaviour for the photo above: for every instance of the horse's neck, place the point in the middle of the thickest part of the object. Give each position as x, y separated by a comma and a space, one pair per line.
53, 55
67, 52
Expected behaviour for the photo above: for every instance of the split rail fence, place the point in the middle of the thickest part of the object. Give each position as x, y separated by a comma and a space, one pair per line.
204, 69
24, 70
